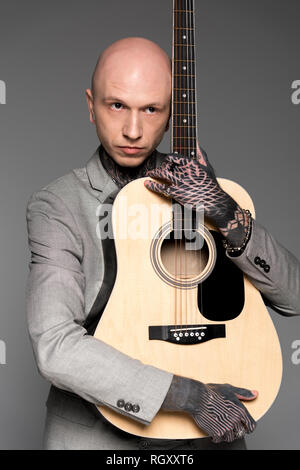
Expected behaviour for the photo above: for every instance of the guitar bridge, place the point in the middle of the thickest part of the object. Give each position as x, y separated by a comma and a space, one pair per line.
187, 334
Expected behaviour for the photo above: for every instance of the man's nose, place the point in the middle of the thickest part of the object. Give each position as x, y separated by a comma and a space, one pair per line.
132, 128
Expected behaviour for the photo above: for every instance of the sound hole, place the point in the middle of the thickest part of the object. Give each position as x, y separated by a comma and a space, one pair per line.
182, 258
182, 261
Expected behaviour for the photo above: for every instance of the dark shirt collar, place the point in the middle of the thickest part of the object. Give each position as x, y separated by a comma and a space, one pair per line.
101, 180
124, 175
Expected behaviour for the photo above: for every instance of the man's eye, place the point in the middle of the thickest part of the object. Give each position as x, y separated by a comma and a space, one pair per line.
116, 105
150, 110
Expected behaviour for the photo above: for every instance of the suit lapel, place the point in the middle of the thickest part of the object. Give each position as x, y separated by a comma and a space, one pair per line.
99, 178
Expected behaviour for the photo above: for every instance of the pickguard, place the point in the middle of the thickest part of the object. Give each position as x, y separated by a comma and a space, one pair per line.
221, 296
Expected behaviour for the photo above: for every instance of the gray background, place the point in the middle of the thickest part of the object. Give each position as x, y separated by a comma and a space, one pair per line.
247, 59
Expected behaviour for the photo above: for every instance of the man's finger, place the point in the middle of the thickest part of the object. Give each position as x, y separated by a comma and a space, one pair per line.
200, 156
175, 159
245, 394
162, 174
203, 160
158, 188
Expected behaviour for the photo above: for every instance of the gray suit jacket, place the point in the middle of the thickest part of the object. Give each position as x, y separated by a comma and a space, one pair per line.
65, 277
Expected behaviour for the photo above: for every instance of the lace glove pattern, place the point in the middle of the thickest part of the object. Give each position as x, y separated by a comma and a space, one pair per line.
216, 408
193, 182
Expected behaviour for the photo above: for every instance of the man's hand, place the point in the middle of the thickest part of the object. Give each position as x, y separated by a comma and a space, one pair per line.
193, 182
216, 408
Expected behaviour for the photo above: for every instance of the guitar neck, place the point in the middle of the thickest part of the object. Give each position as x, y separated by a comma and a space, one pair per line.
184, 105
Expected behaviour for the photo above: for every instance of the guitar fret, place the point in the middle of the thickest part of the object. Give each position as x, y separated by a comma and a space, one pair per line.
183, 148
184, 11
185, 45
183, 27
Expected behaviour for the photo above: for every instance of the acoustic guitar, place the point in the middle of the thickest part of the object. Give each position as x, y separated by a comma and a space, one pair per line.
178, 302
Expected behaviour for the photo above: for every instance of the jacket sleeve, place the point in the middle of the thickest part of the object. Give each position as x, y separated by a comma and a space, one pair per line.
273, 270
65, 354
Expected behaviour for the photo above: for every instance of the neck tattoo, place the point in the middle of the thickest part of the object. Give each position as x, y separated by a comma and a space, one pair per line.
123, 175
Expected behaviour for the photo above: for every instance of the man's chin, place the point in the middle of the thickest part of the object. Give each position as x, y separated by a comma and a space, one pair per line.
130, 161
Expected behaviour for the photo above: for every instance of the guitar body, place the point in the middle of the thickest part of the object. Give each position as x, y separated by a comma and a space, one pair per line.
247, 355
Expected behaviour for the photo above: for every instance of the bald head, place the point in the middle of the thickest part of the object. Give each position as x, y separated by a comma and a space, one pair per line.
130, 99
134, 54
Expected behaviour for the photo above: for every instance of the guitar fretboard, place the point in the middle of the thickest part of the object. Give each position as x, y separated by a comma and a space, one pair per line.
184, 106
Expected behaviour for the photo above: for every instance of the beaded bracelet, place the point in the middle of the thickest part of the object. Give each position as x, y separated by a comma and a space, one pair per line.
236, 251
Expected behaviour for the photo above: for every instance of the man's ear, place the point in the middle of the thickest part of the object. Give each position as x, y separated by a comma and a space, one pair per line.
168, 123
90, 102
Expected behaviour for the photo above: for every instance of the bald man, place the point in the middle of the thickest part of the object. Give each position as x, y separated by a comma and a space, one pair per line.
72, 270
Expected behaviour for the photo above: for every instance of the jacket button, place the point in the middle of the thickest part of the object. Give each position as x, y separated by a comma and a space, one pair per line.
266, 268
257, 260
144, 444
120, 403
128, 406
135, 408
262, 263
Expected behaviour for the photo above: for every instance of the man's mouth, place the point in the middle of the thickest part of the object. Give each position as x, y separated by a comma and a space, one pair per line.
131, 150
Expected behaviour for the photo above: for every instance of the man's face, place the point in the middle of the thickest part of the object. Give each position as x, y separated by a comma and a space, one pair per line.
131, 105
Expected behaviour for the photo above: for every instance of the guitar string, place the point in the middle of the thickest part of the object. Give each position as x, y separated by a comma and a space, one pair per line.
183, 150
194, 109
174, 131
191, 139
193, 112
188, 130
191, 72
175, 149
176, 207
193, 130
186, 153
181, 131
177, 16
172, 146
202, 261
188, 138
